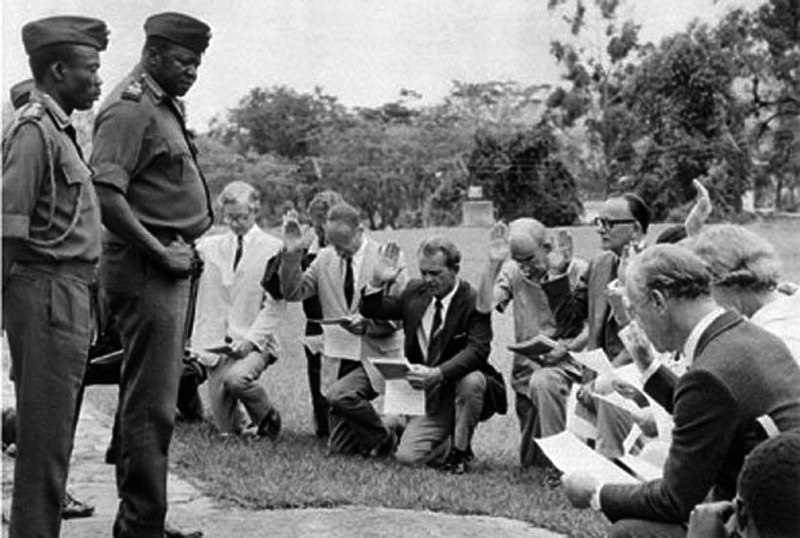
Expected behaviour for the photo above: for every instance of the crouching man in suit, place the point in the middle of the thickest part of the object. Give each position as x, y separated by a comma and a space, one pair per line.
448, 343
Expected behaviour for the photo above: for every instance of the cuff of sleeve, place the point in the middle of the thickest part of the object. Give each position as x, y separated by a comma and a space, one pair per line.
647, 374
594, 502
112, 175
369, 289
16, 226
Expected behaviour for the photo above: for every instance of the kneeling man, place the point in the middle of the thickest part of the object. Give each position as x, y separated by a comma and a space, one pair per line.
448, 343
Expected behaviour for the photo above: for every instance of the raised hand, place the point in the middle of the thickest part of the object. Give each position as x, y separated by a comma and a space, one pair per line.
295, 239
700, 212
499, 246
628, 252
560, 255
387, 267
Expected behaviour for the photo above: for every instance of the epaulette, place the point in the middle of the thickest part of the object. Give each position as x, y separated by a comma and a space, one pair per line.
133, 91
33, 110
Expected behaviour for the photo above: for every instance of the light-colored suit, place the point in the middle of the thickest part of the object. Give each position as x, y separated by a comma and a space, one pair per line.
354, 424
232, 304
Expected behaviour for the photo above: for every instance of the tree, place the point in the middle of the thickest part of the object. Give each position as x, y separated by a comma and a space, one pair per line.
277, 120
524, 176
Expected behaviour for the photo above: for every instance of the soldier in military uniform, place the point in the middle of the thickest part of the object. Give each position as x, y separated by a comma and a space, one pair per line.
51, 244
155, 203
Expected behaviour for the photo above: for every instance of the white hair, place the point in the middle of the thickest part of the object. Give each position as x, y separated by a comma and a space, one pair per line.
240, 192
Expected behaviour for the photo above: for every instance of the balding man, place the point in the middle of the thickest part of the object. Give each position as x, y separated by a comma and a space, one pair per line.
739, 376
541, 384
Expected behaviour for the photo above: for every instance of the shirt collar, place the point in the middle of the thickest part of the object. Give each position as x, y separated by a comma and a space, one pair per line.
447, 299
690, 347
61, 119
157, 91
246, 238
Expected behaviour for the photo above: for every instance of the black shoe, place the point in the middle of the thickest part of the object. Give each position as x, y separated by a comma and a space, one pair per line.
172, 532
270, 426
457, 462
385, 447
72, 508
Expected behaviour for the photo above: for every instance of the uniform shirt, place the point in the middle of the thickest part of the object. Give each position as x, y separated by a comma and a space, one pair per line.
50, 210
531, 310
142, 148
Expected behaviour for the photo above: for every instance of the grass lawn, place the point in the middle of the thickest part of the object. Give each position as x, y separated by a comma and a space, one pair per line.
295, 471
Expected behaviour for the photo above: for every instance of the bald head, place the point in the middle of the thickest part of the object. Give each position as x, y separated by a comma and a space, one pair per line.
526, 236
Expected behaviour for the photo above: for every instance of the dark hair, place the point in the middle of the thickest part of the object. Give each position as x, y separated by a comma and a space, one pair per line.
768, 485
41, 60
433, 245
638, 209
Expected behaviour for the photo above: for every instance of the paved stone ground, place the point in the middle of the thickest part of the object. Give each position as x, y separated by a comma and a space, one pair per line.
93, 481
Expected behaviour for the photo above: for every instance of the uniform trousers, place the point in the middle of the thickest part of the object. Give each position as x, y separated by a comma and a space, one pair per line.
148, 307
236, 380
456, 417
47, 316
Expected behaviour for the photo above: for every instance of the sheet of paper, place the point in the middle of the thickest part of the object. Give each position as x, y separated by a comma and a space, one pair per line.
403, 399
108, 358
595, 359
569, 455
341, 344
617, 400
395, 368
224, 349
644, 470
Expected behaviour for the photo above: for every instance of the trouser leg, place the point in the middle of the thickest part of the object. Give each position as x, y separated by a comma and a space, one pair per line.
149, 310
545, 409
352, 413
48, 330
318, 402
224, 407
469, 395
240, 380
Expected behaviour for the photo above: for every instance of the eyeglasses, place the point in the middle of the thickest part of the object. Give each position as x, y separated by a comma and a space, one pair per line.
239, 219
608, 224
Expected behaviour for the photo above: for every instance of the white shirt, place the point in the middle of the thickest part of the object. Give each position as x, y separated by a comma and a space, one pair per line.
232, 303
424, 330
781, 317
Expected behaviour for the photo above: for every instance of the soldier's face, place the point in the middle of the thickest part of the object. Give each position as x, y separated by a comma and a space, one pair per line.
81, 78
175, 69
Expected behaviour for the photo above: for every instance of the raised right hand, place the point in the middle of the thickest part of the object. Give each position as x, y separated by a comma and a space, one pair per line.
295, 239
499, 245
387, 267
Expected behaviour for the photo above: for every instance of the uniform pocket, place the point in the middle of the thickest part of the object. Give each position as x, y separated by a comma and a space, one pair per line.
69, 304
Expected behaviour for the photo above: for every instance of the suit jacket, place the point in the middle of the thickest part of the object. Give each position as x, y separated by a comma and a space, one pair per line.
466, 340
740, 372
232, 303
324, 279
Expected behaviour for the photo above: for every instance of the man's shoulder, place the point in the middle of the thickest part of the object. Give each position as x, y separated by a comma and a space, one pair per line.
267, 241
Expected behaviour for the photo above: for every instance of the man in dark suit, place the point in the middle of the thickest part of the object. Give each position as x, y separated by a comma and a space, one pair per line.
739, 376
447, 341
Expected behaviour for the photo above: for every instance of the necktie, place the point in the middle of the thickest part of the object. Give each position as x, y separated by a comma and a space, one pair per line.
239, 248
349, 286
435, 336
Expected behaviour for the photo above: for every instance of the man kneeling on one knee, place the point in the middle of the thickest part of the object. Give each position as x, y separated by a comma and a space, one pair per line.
447, 341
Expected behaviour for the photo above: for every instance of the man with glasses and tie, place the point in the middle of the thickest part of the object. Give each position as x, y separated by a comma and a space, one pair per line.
233, 308
336, 277
622, 223
447, 342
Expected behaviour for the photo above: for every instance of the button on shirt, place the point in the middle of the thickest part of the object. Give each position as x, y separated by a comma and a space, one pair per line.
141, 148
40, 224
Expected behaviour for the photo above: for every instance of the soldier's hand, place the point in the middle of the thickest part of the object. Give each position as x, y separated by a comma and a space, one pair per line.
499, 245
388, 267
295, 238
177, 258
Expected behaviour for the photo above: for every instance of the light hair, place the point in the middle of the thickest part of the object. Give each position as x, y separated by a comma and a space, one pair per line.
431, 246
673, 270
323, 201
738, 257
240, 192
345, 213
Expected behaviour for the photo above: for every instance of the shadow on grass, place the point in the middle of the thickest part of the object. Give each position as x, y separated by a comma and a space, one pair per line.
296, 472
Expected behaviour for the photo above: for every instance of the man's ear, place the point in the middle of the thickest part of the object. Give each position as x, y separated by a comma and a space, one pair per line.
152, 56
57, 70
659, 300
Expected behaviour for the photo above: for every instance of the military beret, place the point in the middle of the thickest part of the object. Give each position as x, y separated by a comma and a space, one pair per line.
182, 29
20, 92
64, 29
